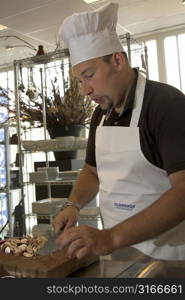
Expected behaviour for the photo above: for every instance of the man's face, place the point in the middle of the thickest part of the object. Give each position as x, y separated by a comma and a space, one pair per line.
98, 79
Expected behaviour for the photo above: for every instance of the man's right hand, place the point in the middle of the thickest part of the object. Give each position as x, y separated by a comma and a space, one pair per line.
65, 219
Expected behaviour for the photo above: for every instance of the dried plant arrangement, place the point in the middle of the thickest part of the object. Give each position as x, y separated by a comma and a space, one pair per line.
70, 109
6, 104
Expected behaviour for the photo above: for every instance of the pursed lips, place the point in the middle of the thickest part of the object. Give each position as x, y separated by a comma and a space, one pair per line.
97, 100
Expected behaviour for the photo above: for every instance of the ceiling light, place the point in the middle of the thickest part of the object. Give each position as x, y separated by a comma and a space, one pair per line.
20, 39
182, 2
2, 27
90, 1
9, 48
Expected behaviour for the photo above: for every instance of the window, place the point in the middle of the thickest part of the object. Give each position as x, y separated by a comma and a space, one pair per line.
174, 47
138, 58
153, 72
171, 61
181, 43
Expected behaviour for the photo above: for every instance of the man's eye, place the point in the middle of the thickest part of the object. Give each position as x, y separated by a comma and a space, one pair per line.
89, 76
79, 81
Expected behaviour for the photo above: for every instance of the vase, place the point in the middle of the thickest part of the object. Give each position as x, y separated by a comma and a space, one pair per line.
57, 131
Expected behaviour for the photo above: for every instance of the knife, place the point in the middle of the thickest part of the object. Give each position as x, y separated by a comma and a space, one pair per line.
50, 246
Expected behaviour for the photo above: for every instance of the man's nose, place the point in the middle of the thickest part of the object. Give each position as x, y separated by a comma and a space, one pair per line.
86, 90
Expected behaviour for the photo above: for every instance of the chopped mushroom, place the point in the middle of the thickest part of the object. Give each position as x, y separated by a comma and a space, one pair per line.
25, 246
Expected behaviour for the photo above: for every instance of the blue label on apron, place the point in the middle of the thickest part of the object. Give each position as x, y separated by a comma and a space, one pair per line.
124, 206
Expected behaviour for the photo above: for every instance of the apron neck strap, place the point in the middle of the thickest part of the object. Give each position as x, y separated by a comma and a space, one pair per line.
138, 101
102, 120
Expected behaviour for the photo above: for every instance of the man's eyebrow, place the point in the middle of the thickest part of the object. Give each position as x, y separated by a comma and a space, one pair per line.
83, 72
86, 70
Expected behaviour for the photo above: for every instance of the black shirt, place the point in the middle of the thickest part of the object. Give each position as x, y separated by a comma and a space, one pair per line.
161, 126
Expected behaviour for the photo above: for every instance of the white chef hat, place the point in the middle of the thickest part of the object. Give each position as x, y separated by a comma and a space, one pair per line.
91, 34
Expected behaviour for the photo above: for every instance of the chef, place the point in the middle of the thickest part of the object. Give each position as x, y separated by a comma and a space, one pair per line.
136, 149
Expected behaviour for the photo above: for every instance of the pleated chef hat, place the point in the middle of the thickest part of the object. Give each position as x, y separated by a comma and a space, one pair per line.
91, 34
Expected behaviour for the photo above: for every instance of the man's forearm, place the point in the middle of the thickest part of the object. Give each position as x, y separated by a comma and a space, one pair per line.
85, 188
167, 212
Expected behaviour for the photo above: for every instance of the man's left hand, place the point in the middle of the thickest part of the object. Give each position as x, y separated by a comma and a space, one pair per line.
83, 239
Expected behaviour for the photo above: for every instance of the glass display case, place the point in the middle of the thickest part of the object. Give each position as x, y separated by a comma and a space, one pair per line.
5, 194
40, 83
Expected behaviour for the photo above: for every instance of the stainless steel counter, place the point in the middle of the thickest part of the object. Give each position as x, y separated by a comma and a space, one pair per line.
111, 266
132, 265
103, 269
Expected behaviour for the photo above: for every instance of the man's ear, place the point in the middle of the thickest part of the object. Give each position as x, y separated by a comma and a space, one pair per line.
118, 61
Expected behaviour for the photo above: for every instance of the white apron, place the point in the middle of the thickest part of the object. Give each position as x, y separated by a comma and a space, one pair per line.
129, 183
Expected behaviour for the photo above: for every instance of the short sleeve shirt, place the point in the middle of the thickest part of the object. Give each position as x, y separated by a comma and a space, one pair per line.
161, 126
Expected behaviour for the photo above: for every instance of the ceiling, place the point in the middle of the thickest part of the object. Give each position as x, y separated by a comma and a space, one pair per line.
37, 21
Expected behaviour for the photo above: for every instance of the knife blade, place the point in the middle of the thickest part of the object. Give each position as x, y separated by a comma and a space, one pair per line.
50, 246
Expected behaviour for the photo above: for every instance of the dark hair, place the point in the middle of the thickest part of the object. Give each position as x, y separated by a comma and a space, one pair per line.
107, 58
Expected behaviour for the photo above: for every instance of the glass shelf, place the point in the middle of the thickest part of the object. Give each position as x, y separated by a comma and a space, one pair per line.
53, 182
3, 190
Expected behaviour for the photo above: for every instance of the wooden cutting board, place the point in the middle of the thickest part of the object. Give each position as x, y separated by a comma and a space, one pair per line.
55, 265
